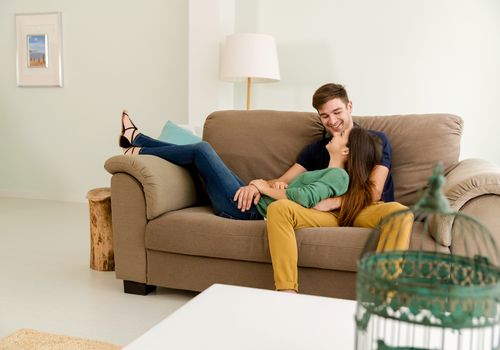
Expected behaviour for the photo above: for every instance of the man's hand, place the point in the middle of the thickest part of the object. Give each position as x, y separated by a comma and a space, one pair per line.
279, 185
329, 204
245, 195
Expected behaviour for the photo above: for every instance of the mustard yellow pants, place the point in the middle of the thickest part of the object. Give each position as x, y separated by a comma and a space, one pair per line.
285, 216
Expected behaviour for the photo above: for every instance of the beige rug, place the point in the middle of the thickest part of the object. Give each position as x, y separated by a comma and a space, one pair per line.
29, 339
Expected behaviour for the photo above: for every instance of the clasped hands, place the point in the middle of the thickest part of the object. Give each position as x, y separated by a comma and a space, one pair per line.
246, 195
251, 193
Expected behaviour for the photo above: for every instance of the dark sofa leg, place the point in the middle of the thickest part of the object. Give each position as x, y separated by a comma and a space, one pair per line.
131, 287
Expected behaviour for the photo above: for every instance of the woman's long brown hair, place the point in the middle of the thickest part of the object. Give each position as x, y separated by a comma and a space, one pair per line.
364, 154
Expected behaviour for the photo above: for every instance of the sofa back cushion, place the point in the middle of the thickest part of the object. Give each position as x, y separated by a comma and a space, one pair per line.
264, 144
418, 142
260, 144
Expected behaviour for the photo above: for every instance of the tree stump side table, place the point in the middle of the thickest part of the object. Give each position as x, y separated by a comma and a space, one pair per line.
101, 233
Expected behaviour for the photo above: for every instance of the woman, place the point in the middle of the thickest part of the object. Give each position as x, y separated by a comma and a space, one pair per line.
222, 184
285, 216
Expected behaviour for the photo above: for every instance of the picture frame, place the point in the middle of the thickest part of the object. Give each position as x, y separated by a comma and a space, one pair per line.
39, 47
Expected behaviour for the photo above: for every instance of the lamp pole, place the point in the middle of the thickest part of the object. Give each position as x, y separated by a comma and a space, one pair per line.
249, 84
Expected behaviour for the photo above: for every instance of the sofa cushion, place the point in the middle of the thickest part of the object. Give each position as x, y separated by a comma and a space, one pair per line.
178, 135
260, 144
197, 231
418, 142
264, 144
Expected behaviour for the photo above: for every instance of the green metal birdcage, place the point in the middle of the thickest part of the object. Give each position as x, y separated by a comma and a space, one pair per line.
430, 298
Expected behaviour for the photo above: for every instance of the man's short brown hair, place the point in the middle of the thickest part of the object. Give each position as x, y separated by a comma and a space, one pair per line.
328, 92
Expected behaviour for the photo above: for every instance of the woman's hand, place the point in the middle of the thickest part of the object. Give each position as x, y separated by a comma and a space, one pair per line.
245, 196
261, 185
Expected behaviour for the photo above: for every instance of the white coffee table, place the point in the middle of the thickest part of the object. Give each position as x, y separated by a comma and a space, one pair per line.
230, 317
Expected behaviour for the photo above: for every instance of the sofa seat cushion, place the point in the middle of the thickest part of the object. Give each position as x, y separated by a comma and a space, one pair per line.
197, 231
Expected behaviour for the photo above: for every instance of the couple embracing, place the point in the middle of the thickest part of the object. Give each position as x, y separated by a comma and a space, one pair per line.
343, 179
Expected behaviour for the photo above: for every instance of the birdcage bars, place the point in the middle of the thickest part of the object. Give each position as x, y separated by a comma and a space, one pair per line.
430, 299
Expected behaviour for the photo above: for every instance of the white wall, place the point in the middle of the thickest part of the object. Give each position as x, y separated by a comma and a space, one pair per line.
210, 21
393, 57
159, 59
116, 54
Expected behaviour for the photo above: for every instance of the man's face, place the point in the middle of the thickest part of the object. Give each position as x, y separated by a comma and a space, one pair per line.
336, 116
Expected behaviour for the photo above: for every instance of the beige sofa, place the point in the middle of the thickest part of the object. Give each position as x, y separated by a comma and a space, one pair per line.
166, 235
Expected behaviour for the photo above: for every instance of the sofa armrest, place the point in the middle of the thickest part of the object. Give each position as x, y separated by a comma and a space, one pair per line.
166, 186
470, 179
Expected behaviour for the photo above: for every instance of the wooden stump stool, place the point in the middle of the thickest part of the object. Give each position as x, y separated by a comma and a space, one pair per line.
101, 233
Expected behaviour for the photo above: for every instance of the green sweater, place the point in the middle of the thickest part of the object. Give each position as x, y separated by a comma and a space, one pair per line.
311, 187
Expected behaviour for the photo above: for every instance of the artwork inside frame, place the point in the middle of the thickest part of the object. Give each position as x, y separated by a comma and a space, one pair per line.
37, 51
39, 47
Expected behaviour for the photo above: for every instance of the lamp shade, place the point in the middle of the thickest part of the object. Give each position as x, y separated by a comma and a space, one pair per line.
250, 55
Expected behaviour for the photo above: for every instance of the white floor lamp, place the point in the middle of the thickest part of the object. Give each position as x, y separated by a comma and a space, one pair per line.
250, 57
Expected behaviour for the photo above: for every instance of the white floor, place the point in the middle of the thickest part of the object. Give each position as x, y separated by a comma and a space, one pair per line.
46, 283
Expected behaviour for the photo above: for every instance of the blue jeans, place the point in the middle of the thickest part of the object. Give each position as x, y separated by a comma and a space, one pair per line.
220, 182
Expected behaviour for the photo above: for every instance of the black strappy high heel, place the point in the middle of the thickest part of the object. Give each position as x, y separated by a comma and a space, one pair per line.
123, 141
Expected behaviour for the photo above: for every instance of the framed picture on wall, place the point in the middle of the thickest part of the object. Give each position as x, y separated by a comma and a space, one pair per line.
39, 44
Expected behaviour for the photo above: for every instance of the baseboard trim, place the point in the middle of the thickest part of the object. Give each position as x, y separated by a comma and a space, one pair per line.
42, 196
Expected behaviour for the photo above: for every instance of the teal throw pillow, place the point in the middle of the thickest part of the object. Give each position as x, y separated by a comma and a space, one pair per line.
173, 133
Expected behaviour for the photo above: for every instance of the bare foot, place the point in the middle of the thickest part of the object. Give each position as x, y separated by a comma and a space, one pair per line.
131, 151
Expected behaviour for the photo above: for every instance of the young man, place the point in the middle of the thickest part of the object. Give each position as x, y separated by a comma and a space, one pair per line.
284, 216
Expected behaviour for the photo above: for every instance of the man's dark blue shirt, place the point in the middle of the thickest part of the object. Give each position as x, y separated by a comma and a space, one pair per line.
315, 157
